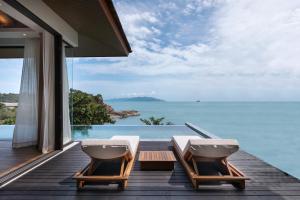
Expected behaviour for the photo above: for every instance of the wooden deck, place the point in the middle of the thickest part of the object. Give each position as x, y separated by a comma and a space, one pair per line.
12, 158
53, 180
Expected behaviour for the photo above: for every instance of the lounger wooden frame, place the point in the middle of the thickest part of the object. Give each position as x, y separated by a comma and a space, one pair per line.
86, 175
234, 177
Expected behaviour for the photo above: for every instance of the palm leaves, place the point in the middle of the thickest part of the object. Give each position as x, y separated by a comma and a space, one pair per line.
155, 121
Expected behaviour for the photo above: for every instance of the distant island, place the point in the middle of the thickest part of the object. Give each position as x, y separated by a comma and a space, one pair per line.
133, 99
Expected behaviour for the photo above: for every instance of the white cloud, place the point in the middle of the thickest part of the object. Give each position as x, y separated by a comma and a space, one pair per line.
242, 49
197, 6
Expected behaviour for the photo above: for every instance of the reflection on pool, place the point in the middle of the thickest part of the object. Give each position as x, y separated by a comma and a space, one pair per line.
107, 131
145, 132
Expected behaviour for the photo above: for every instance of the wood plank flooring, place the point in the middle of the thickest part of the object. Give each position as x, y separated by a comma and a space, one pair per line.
53, 180
10, 158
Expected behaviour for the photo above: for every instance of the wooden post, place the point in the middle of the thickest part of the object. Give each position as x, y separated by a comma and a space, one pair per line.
58, 62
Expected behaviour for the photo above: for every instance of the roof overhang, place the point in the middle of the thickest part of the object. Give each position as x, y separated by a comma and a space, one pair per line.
99, 30
91, 27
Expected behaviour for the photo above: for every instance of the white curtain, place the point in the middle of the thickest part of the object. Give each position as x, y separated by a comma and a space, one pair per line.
47, 121
25, 132
35, 123
66, 116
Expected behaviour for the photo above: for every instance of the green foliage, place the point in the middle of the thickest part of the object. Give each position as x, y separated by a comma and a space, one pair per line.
169, 123
9, 121
9, 97
155, 121
7, 115
87, 109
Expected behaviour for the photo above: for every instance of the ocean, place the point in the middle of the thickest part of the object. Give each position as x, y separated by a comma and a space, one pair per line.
268, 130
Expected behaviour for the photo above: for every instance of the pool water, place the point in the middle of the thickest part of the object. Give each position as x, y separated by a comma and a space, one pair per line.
107, 131
145, 132
6, 132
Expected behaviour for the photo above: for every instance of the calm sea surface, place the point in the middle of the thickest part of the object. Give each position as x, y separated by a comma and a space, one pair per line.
269, 130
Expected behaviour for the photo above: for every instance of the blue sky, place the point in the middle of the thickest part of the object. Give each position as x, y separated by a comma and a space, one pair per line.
198, 49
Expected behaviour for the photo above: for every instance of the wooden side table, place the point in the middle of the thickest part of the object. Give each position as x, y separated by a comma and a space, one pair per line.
157, 160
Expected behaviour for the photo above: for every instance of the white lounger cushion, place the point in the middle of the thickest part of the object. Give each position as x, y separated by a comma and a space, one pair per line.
110, 148
182, 141
133, 141
206, 148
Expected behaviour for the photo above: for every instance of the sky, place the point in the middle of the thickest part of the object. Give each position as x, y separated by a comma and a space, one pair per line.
186, 50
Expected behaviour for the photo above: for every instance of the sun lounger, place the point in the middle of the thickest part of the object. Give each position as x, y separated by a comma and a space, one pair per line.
121, 148
205, 160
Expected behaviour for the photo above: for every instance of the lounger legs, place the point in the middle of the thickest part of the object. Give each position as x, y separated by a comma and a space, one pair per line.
239, 184
195, 166
227, 169
122, 166
195, 184
229, 173
80, 184
123, 184
86, 176
92, 167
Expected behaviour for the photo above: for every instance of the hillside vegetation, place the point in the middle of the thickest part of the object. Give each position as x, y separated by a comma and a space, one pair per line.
85, 109
7, 115
88, 109
9, 97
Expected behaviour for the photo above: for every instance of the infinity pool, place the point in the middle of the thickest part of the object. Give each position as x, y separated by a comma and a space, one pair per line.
283, 158
107, 131
6, 132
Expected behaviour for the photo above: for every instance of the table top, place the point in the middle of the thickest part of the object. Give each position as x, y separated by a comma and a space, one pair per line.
157, 156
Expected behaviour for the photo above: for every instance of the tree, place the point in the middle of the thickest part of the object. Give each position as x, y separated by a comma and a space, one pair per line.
7, 115
9, 121
2, 106
9, 97
155, 121
87, 109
